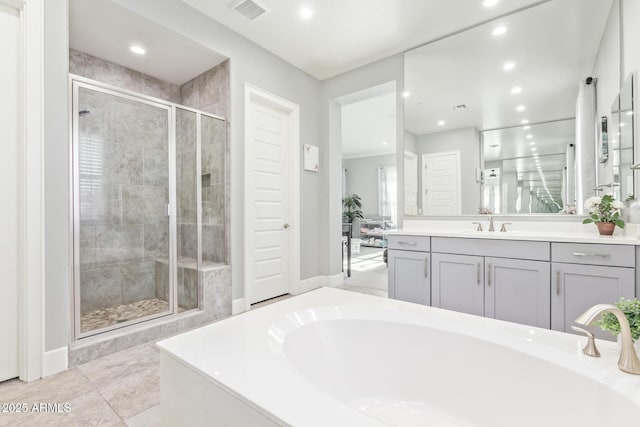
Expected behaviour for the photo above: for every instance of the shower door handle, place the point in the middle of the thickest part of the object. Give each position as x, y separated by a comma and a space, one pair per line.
167, 209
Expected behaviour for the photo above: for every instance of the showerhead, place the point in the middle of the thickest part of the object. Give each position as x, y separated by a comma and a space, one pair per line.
83, 112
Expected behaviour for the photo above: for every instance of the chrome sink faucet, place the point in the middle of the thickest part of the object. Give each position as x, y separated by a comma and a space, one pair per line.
491, 224
628, 360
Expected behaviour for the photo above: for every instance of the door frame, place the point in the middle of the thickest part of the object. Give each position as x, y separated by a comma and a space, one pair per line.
251, 94
422, 177
31, 262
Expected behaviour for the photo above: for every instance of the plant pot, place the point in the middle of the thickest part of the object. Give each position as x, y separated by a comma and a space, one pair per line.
606, 228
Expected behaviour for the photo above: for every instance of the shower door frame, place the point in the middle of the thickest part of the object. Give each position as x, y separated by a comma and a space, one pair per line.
75, 84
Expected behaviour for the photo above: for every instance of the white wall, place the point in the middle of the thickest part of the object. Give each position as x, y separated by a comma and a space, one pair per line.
9, 80
362, 179
467, 140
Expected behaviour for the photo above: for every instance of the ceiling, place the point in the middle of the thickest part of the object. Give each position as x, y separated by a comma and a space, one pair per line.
345, 34
102, 28
369, 126
552, 45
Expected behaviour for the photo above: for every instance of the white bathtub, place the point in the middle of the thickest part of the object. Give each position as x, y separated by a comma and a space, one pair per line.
336, 358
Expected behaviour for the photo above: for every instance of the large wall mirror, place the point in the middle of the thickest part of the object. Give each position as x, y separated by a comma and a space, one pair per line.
503, 118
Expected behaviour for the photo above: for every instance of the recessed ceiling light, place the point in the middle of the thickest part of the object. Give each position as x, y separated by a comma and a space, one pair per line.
406, 94
622, 124
516, 89
532, 143
526, 127
529, 136
521, 108
498, 31
138, 50
489, 3
524, 121
508, 66
441, 123
629, 113
533, 148
306, 13
384, 142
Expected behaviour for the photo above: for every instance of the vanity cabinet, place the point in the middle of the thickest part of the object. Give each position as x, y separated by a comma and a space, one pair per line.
500, 288
458, 283
588, 274
409, 267
518, 291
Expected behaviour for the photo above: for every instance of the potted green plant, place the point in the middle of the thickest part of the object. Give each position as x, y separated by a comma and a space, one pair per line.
605, 213
631, 309
351, 209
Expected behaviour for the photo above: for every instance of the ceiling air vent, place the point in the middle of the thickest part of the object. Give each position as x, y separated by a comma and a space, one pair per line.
249, 9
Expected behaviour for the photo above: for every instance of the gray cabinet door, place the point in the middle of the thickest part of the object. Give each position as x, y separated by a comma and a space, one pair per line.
409, 276
576, 287
518, 291
457, 283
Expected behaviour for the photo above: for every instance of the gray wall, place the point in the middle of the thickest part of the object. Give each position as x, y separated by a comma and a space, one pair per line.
374, 74
56, 170
467, 140
362, 179
249, 63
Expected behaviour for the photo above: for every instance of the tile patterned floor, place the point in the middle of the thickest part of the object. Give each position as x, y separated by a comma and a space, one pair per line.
122, 389
110, 316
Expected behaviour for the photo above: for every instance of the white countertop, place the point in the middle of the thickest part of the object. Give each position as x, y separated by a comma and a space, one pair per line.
522, 235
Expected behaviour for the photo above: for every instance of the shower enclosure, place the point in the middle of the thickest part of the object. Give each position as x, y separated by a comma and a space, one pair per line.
148, 205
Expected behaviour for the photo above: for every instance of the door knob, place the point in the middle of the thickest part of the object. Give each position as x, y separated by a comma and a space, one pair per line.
285, 226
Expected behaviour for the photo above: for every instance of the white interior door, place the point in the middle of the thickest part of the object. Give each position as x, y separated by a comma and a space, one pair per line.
9, 30
441, 191
268, 145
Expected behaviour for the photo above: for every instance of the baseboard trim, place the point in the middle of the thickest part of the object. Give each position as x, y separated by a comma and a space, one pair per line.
335, 280
238, 306
316, 282
55, 361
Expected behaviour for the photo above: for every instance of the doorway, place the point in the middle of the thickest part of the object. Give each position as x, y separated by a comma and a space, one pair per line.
272, 165
368, 140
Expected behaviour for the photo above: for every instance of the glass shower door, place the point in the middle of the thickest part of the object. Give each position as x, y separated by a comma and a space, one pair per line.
122, 185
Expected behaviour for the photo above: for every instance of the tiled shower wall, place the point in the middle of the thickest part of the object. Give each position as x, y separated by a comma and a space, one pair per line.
123, 187
208, 92
89, 66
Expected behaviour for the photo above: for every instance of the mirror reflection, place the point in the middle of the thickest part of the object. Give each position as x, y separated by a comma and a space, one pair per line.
502, 118
621, 137
527, 168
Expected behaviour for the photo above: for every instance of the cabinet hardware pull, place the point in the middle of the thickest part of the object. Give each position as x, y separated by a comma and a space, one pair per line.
581, 254
478, 273
489, 275
426, 266
408, 243
558, 282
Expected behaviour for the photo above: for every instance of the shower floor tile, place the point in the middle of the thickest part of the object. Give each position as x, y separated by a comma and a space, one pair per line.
113, 315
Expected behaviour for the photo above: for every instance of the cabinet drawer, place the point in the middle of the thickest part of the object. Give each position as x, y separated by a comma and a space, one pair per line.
518, 249
593, 254
409, 243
